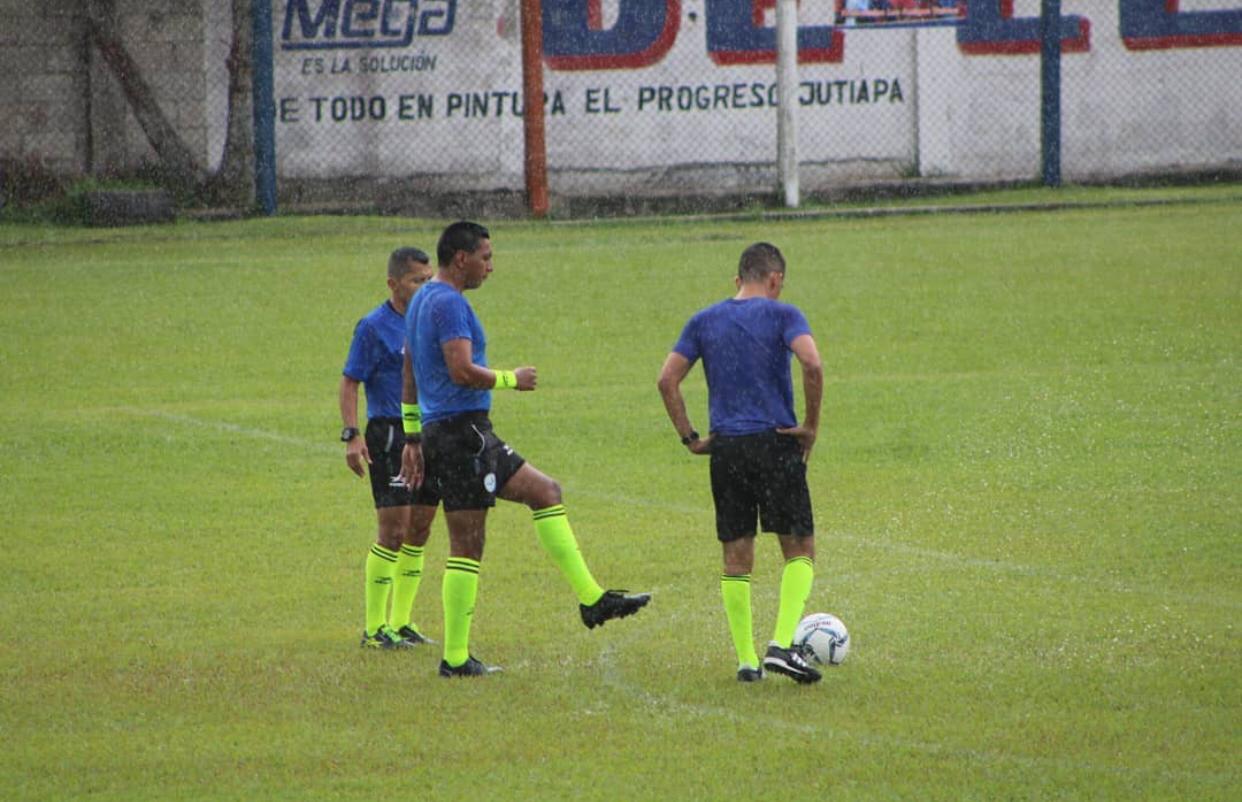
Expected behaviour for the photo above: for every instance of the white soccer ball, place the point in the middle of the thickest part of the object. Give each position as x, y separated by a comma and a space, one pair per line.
822, 637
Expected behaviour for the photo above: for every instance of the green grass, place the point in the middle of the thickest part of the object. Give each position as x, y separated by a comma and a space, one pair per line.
1026, 491
1066, 195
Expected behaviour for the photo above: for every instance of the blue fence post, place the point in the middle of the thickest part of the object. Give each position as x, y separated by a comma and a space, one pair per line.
264, 107
1050, 91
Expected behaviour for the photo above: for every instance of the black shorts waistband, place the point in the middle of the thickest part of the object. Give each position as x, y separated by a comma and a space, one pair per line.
766, 433
385, 421
475, 418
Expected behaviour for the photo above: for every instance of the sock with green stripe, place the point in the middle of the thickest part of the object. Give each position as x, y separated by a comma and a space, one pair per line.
735, 590
405, 586
381, 565
557, 539
795, 588
461, 586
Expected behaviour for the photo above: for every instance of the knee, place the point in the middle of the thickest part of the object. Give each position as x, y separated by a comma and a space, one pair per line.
419, 532
547, 495
800, 547
389, 538
469, 546
739, 556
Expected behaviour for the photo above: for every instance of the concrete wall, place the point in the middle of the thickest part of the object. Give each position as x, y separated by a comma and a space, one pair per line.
1124, 111
43, 83
61, 105
429, 97
685, 113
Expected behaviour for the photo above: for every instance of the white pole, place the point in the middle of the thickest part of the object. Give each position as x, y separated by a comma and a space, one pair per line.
787, 91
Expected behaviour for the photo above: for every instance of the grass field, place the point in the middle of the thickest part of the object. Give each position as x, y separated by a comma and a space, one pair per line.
1026, 488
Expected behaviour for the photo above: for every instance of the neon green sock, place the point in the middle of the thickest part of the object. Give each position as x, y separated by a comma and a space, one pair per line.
557, 539
461, 586
405, 586
735, 589
795, 588
381, 563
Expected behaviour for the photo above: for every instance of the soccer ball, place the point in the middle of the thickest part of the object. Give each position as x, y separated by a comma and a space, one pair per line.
822, 638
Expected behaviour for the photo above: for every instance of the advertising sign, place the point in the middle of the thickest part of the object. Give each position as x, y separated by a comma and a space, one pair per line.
665, 89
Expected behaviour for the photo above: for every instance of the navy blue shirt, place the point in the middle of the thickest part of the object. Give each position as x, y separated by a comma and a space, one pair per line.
746, 357
439, 313
375, 358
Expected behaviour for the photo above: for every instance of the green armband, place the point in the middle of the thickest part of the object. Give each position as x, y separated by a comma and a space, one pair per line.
411, 419
505, 380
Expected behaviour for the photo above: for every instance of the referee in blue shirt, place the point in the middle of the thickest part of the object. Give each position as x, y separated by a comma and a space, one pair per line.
394, 565
758, 450
466, 464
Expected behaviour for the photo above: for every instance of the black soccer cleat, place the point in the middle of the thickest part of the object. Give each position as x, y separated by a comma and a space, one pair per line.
412, 636
384, 638
748, 674
613, 604
473, 667
791, 663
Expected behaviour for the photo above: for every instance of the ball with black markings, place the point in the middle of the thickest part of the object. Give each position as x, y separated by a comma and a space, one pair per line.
822, 637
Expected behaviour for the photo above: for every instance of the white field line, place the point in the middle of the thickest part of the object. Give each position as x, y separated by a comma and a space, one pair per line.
665, 703
881, 543
224, 427
925, 554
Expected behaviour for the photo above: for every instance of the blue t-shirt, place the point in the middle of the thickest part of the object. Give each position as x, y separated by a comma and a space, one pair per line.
744, 346
375, 357
439, 313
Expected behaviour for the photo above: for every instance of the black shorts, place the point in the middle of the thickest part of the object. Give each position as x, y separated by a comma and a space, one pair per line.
466, 464
760, 478
385, 440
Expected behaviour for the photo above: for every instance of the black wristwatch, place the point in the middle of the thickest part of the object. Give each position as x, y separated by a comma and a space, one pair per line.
690, 438
349, 433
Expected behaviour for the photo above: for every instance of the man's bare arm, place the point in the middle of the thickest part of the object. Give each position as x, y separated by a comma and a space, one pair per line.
672, 374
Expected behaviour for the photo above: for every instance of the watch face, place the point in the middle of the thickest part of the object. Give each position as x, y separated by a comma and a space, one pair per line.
348, 433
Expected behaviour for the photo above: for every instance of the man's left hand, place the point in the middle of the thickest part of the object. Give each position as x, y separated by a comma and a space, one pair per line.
701, 446
806, 439
412, 466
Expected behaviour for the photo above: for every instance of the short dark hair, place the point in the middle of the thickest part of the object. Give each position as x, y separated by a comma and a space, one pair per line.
759, 260
460, 236
399, 261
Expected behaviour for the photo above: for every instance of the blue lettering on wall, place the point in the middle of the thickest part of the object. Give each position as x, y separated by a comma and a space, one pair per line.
642, 35
737, 31
991, 29
345, 24
736, 35
1160, 24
